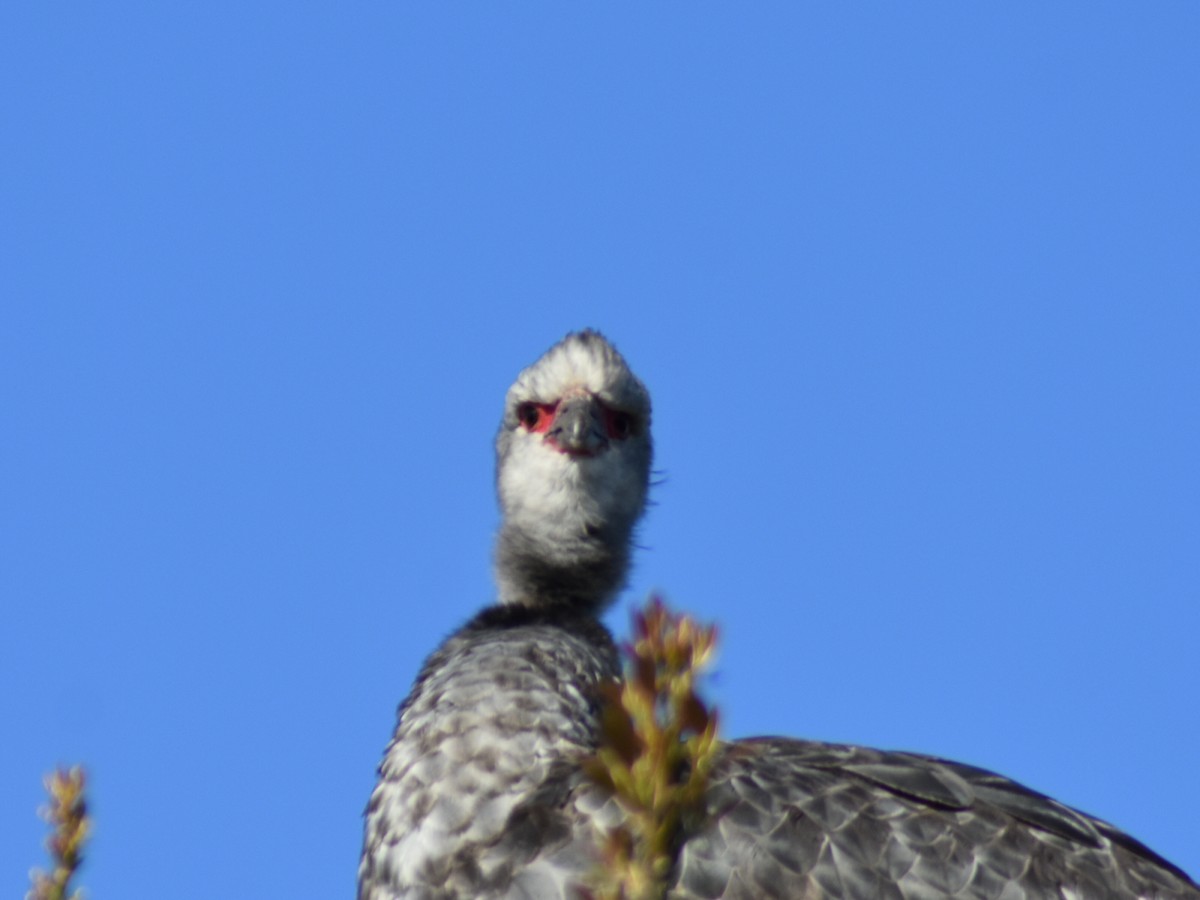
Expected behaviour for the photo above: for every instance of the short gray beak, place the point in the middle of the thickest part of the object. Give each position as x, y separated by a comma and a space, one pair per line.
578, 427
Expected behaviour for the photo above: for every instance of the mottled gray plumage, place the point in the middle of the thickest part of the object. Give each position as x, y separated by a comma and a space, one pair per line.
792, 819
480, 792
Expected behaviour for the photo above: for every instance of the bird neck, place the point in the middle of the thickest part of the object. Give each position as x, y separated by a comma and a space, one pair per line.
581, 571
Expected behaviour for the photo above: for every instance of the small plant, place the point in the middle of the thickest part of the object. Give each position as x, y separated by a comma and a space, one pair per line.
658, 742
67, 814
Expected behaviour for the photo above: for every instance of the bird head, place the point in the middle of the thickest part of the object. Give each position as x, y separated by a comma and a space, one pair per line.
573, 461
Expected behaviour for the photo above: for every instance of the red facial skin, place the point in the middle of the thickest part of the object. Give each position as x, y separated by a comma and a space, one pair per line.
539, 419
544, 412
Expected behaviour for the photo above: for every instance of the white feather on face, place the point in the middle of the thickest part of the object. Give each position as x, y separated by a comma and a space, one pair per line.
569, 508
582, 359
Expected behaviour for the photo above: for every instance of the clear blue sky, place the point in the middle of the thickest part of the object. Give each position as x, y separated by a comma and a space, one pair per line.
916, 289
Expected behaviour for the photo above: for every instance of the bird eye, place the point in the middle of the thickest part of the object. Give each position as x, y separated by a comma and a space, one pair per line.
620, 424
536, 416
528, 415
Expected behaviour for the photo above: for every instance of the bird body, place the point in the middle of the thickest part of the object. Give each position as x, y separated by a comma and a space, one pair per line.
495, 716
481, 793
792, 819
